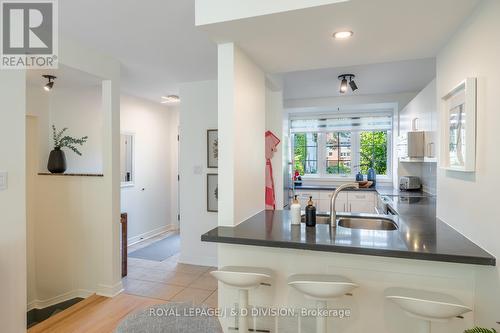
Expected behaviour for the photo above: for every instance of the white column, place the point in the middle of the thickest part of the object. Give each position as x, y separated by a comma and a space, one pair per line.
241, 119
321, 321
243, 307
13, 201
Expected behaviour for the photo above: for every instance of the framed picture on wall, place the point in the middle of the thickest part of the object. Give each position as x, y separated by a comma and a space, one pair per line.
459, 128
212, 192
212, 148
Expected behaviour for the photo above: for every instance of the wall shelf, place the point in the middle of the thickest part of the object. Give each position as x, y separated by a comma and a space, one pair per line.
71, 174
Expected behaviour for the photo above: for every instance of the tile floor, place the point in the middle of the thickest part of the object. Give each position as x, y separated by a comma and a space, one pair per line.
170, 280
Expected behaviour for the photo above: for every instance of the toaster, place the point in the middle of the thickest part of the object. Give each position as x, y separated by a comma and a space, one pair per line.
409, 183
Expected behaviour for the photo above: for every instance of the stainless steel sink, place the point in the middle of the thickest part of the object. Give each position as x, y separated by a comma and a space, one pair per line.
370, 222
367, 223
320, 219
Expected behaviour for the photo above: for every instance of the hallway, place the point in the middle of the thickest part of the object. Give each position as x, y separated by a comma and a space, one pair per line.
169, 280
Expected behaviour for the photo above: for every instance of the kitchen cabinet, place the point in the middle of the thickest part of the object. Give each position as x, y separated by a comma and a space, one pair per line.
303, 197
347, 201
421, 115
362, 202
340, 204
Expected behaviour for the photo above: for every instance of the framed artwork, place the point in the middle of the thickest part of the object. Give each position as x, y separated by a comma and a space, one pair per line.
458, 148
212, 148
212, 192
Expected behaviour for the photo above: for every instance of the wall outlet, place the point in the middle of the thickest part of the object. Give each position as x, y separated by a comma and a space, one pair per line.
3, 180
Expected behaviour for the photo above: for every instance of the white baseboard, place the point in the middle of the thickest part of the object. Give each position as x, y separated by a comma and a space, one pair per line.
41, 304
199, 261
109, 291
150, 234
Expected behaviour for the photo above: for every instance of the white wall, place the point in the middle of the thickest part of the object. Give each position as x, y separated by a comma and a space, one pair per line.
79, 108
148, 202
13, 202
198, 113
423, 107
242, 112
350, 101
274, 123
469, 202
76, 220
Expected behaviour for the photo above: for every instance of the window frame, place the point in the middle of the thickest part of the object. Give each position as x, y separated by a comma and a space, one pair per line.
355, 158
292, 136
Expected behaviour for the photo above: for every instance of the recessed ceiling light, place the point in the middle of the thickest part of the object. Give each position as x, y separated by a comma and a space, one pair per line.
170, 99
343, 34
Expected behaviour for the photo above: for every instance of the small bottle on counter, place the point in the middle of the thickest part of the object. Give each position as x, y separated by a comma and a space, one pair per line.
295, 211
310, 213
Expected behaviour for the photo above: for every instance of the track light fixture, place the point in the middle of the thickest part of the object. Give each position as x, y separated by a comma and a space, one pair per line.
344, 84
50, 84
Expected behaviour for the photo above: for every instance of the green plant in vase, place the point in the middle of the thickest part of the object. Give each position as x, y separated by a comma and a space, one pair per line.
57, 158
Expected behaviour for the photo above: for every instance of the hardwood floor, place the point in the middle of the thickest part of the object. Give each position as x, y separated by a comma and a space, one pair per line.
148, 283
96, 314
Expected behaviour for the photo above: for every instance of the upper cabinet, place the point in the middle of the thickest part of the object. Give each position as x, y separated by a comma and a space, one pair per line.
421, 115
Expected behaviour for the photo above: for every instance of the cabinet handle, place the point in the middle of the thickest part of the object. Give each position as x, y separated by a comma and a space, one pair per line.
350, 207
344, 208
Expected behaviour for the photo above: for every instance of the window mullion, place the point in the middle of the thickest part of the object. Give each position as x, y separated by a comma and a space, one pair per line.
322, 154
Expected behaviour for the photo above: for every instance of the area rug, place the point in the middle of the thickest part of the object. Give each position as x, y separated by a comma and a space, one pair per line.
160, 250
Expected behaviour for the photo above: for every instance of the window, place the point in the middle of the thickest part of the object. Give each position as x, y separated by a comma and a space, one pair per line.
340, 147
306, 153
373, 151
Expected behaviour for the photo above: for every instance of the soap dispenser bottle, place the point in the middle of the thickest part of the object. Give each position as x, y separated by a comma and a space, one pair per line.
310, 213
295, 211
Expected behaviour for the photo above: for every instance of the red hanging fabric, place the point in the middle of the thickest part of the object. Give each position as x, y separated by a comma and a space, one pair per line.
272, 142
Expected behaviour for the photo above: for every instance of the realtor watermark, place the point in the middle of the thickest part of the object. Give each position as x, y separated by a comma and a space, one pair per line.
251, 312
29, 34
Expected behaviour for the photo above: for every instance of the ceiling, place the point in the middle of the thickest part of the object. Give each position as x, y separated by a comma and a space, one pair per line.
66, 77
384, 31
155, 40
386, 78
160, 47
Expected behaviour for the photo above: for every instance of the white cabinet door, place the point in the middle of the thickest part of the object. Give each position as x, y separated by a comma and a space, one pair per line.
303, 197
361, 202
361, 207
340, 203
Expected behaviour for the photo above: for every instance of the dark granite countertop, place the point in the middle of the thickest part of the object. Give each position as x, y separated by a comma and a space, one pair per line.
383, 190
420, 235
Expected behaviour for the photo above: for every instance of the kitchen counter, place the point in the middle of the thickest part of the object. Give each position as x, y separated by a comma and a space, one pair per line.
420, 235
382, 190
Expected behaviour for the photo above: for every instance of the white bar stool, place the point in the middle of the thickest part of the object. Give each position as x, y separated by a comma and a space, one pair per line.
321, 288
427, 306
243, 279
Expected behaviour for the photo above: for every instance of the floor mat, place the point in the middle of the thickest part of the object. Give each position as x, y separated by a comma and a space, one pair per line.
160, 250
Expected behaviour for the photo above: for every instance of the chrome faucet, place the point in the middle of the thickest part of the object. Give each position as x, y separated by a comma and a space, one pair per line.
333, 212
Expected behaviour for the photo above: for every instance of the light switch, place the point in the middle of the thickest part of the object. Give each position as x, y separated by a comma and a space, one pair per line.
3, 180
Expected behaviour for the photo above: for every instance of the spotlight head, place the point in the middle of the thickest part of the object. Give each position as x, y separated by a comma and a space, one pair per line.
343, 86
50, 84
344, 83
353, 85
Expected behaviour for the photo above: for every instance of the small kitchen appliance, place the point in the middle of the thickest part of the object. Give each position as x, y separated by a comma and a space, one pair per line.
407, 183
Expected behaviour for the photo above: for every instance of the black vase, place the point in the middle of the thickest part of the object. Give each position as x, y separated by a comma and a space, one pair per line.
57, 161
